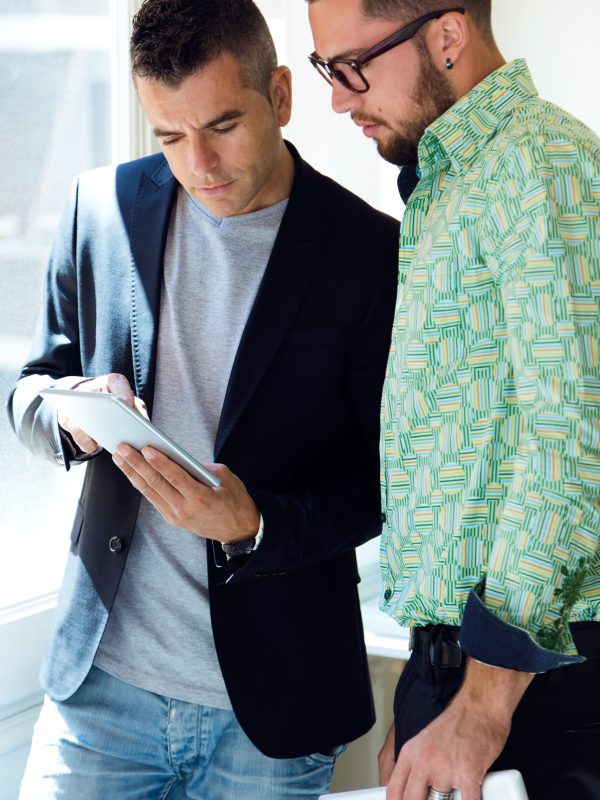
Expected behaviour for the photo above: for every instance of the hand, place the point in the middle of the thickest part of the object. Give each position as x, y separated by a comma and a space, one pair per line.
386, 758
113, 384
456, 750
226, 513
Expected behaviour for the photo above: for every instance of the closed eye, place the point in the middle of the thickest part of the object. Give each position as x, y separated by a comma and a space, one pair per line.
226, 129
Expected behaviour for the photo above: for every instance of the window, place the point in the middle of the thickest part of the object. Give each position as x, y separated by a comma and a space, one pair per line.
55, 58
67, 107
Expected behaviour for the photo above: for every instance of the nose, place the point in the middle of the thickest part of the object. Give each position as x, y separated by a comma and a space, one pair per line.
342, 99
203, 159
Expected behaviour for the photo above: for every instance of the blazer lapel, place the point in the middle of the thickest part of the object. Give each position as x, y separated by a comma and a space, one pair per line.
282, 289
150, 217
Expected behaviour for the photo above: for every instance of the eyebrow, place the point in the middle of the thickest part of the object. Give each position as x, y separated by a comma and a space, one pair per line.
346, 54
226, 116
349, 53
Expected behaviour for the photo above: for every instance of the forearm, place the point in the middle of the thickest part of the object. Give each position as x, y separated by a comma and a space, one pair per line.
458, 747
305, 527
35, 422
490, 693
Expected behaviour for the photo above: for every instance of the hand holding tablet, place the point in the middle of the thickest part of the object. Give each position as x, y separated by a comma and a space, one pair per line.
110, 421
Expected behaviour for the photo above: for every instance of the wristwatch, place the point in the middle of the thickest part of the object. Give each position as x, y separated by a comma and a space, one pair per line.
247, 545
239, 548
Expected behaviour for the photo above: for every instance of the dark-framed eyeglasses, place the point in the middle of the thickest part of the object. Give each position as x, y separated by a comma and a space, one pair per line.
347, 71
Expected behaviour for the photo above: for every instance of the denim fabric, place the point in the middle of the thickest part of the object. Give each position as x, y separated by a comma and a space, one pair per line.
113, 741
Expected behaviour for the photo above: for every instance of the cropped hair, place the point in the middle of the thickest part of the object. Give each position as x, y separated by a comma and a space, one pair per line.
479, 10
172, 39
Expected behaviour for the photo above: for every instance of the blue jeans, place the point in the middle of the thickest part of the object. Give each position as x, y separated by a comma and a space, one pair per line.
112, 741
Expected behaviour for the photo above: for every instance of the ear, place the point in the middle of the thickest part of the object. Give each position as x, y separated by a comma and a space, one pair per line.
448, 37
281, 95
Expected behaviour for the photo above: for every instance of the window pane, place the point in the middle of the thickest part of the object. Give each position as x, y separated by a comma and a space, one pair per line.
55, 67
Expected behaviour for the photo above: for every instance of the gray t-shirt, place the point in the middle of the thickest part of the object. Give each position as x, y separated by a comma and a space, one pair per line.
159, 635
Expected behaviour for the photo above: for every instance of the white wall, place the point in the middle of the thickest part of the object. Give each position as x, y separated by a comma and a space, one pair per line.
559, 40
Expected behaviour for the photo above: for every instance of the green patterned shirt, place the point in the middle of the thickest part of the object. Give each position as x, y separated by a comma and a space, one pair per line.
490, 430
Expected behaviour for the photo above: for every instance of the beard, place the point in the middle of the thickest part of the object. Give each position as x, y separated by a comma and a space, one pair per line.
433, 95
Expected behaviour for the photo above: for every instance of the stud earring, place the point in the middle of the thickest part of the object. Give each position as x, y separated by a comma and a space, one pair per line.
449, 64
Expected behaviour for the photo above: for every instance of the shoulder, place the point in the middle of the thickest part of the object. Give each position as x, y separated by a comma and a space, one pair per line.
154, 168
357, 245
347, 206
540, 140
351, 237
111, 191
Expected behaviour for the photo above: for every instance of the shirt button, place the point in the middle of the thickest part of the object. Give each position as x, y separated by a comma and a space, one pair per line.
115, 545
387, 594
58, 457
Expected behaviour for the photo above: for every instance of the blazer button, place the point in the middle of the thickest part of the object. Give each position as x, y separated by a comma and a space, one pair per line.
115, 545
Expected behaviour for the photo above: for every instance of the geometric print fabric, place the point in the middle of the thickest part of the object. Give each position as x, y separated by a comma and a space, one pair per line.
490, 423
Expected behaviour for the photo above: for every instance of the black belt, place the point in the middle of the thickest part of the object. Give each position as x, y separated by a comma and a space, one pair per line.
440, 643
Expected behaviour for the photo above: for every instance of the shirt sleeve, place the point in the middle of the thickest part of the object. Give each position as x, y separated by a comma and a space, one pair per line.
541, 238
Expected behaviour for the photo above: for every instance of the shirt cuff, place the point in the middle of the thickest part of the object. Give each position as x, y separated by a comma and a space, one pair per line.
489, 640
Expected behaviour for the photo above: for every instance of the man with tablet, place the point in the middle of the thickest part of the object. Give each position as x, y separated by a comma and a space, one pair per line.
208, 640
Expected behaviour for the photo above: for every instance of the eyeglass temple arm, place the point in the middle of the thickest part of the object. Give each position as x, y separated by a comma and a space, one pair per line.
407, 33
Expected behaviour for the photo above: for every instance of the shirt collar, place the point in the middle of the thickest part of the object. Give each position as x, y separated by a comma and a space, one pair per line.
466, 127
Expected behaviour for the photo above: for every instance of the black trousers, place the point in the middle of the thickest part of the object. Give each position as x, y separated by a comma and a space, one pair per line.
555, 736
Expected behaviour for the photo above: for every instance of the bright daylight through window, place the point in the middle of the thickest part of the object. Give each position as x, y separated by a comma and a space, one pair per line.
56, 109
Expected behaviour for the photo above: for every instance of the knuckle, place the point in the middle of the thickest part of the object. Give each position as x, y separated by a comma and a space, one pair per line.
180, 513
153, 481
145, 490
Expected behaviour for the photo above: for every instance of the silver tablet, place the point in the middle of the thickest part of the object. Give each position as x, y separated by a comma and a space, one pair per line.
506, 785
111, 421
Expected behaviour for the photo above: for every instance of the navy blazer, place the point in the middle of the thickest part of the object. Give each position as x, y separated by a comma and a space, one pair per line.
299, 425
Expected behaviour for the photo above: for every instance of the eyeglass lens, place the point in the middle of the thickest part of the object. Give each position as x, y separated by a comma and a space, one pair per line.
342, 72
347, 75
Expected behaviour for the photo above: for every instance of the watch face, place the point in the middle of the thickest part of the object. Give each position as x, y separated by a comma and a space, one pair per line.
239, 548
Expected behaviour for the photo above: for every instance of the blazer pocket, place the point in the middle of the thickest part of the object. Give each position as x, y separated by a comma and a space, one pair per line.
316, 337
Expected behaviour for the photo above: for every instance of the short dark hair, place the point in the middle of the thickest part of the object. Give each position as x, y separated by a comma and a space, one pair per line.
172, 39
480, 11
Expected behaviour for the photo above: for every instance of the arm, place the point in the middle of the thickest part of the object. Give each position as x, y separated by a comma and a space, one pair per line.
385, 759
543, 246
456, 750
54, 359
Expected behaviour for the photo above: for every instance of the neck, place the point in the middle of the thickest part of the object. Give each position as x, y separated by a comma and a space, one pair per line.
474, 67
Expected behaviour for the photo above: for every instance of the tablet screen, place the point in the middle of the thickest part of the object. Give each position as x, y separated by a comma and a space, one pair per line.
111, 421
